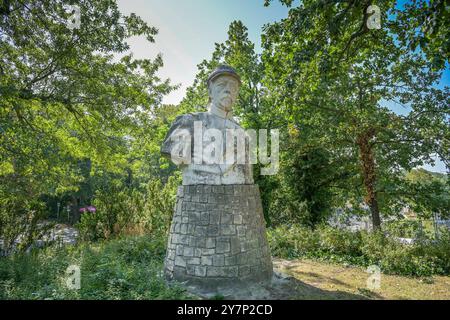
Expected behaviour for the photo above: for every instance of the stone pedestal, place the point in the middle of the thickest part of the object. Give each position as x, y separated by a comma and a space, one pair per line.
218, 237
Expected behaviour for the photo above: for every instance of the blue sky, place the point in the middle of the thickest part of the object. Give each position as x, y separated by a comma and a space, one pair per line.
188, 30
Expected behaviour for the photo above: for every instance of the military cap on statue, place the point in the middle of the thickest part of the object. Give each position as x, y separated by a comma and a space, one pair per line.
223, 70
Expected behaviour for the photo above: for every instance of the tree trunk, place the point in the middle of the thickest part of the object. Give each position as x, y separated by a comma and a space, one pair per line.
368, 168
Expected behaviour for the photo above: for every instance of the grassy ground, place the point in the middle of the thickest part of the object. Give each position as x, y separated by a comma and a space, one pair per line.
320, 280
130, 268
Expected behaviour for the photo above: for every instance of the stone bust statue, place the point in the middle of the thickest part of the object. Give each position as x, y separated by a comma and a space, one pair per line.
202, 155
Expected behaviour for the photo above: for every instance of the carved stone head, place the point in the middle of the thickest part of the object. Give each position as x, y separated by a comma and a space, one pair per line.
223, 88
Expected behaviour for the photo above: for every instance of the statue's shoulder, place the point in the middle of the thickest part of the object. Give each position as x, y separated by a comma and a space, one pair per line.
192, 116
182, 120
235, 122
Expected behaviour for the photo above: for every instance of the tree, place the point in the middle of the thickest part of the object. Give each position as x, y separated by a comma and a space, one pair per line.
303, 194
427, 193
334, 77
426, 24
70, 94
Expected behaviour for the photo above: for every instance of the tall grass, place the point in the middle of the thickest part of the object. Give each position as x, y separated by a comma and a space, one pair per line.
129, 268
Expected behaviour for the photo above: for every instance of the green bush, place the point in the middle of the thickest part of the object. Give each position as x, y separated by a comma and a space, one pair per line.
301, 192
406, 228
361, 248
292, 242
129, 268
20, 222
130, 212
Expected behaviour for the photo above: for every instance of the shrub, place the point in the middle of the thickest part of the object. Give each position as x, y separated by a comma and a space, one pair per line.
291, 242
361, 248
20, 222
301, 193
405, 228
130, 212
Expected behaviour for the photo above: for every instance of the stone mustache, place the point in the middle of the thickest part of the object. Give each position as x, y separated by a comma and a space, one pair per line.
218, 230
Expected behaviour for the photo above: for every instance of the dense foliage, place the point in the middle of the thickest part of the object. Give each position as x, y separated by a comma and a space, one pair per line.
77, 111
424, 258
132, 212
334, 79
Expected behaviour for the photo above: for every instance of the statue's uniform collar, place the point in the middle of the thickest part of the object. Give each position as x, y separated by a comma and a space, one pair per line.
221, 113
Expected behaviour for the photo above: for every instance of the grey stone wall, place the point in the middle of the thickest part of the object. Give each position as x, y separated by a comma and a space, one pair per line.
218, 235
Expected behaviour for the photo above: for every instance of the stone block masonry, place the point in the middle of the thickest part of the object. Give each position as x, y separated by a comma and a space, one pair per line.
218, 237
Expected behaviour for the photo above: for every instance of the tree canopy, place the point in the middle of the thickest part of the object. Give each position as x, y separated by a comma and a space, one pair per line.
335, 78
